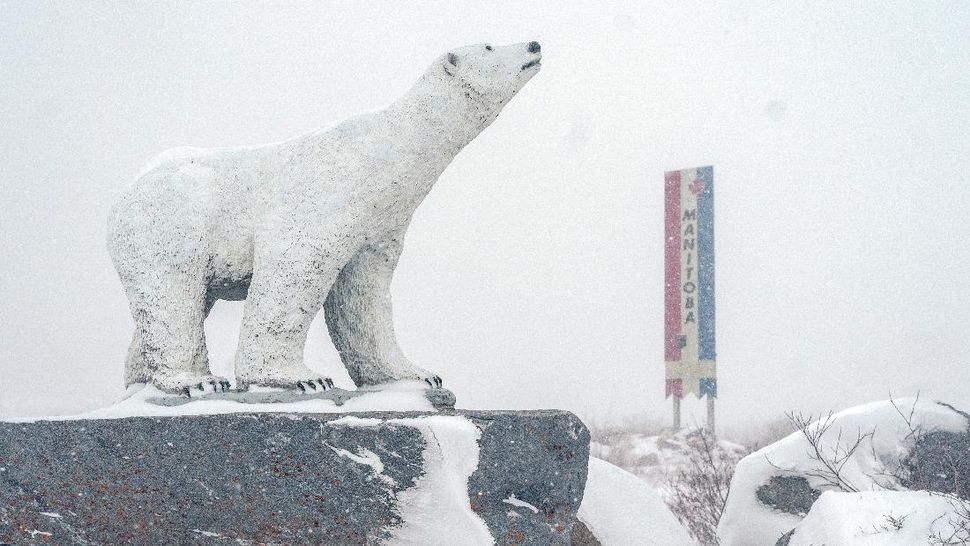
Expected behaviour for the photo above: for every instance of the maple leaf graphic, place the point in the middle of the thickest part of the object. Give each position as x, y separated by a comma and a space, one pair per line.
697, 186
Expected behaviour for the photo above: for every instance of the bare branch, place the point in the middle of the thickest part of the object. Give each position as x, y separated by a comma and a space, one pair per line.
829, 463
699, 490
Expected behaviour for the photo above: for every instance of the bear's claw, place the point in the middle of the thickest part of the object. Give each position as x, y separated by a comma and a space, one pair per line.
435, 382
218, 386
325, 384
207, 385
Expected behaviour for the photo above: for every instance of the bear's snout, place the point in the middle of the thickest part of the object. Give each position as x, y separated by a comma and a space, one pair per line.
534, 47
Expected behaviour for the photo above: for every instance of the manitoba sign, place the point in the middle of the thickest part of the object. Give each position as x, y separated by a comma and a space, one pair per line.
689, 283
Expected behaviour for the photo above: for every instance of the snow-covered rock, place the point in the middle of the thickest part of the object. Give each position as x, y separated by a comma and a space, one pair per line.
884, 518
620, 509
774, 488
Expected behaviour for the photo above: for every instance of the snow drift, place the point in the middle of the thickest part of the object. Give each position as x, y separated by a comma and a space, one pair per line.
884, 518
620, 509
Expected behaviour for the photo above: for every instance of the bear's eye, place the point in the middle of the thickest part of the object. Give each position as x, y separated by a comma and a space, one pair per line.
488, 47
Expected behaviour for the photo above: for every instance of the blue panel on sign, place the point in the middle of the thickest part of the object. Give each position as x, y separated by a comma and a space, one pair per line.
705, 259
708, 385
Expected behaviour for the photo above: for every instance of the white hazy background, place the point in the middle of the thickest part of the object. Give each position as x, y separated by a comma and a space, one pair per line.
532, 275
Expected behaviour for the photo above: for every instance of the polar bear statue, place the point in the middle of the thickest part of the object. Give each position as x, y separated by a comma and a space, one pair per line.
313, 222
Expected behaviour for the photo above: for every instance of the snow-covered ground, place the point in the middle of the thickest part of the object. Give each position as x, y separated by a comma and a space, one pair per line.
884, 439
884, 518
651, 457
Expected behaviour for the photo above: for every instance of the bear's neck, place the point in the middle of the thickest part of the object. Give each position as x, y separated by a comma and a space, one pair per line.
442, 114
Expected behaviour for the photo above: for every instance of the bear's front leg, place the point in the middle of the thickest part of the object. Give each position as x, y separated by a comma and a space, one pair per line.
361, 322
289, 283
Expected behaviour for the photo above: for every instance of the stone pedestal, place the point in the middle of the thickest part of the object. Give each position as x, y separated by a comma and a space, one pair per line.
274, 478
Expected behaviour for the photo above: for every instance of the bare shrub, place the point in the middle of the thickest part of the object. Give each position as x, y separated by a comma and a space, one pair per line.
699, 489
959, 521
829, 462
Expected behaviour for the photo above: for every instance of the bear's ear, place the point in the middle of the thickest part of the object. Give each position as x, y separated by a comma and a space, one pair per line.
451, 60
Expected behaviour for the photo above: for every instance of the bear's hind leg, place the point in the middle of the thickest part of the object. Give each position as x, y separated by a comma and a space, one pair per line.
157, 238
169, 311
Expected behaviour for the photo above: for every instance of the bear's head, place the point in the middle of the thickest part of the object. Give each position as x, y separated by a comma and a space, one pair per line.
493, 73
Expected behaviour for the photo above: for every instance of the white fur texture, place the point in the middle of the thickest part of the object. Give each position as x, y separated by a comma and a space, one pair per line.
313, 222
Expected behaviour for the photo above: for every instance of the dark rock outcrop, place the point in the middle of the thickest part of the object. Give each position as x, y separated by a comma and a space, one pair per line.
940, 462
790, 494
275, 478
582, 536
529, 460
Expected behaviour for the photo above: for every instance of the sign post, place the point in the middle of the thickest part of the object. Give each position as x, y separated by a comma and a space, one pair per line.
689, 351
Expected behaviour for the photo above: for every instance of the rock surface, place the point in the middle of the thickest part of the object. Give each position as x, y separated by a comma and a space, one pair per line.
940, 462
289, 478
790, 494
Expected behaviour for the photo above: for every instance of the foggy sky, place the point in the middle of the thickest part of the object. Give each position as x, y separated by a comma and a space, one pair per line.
532, 275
